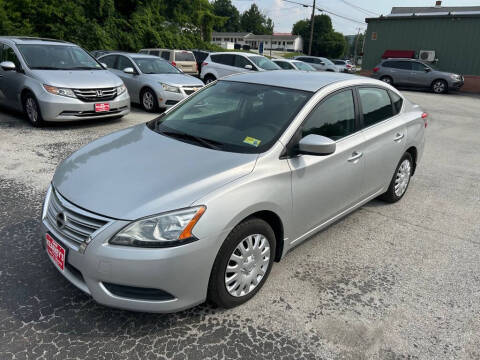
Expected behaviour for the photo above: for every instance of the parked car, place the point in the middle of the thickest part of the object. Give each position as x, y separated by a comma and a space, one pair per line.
200, 56
151, 81
416, 73
97, 53
288, 64
345, 66
52, 80
198, 203
221, 64
319, 63
182, 59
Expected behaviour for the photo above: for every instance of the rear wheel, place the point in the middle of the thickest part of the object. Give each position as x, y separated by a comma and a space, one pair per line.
243, 263
208, 79
149, 100
32, 110
439, 86
387, 80
401, 178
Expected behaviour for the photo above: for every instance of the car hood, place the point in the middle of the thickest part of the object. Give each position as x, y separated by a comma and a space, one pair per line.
175, 79
78, 79
137, 172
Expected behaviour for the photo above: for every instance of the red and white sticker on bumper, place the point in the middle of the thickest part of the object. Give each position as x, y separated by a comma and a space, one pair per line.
56, 252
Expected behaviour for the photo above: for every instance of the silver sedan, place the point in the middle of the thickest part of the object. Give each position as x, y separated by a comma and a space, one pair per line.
151, 81
200, 202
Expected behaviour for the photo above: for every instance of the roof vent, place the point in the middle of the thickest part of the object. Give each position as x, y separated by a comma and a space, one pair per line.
438, 3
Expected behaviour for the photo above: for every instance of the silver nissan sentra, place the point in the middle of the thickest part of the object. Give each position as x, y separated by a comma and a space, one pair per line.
198, 203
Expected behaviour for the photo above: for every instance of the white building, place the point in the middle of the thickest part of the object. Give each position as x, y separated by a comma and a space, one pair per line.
277, 41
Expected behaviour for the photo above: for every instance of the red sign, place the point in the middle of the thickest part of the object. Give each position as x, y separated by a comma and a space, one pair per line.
56, 252
102, 107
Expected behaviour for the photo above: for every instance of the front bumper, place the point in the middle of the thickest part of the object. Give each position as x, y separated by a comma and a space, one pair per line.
167, 99
456, 84
181, 273
61, 108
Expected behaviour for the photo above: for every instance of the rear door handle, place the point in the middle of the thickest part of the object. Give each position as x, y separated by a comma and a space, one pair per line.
398, 137
355, 156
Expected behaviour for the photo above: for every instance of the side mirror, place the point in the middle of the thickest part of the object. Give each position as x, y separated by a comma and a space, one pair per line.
316, 145
104, 66
129, 70
322, 63
427, 69
7, 66
249, 67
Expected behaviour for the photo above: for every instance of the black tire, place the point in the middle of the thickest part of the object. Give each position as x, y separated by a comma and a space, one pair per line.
217, 289
32, 110
387, 80
391, 195
148, 100
439, 86
209, 78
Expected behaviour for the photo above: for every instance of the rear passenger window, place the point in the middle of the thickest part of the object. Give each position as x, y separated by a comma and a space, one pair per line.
333, 118
284, 65
397, 102
166, 55
155, 52
376, 105
224, 59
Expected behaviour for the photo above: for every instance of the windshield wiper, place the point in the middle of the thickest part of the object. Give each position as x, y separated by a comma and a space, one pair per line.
46, 68
84, 68
211, 144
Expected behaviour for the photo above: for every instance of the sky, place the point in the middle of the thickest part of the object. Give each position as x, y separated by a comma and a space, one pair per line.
284, 14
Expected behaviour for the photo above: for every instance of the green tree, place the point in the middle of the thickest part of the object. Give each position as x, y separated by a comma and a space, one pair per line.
326, 42
230, 14
255, 22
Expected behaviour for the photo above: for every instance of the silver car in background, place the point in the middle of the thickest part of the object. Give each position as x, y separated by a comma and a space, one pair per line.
198, 203
289, 64
51, 80
319, 63
345, 66
150, 80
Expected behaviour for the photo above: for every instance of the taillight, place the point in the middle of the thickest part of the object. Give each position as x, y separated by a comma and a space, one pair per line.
424, 117
204, 63
349, 66
174, 63
375, 69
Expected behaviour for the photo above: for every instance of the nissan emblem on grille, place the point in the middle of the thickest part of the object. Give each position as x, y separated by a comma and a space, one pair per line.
61, 220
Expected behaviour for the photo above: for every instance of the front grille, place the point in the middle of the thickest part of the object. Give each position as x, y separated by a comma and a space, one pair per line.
95, 95
70, 223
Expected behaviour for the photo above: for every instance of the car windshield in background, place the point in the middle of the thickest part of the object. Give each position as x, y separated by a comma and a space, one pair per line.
264, 63
155, 66
233, 116
302, 66
57, 57
184, 56
339, 62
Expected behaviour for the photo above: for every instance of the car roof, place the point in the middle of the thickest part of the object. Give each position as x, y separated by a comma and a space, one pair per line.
403, 59
236, 53
166, 49
293, 79
287, 60
137, 55
35, 40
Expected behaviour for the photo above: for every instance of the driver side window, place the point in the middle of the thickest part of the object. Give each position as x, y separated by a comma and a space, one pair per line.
123, 63
333, 118
240, 62
9, 55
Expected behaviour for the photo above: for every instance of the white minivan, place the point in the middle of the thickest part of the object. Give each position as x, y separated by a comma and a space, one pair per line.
220, 64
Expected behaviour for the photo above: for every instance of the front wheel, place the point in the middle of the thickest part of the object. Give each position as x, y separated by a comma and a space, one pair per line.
32, 110
387, 80
149, 100
243, 264
440, 86
401, 178
209, 78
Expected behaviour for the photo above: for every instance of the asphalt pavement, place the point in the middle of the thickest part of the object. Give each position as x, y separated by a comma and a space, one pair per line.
397, 281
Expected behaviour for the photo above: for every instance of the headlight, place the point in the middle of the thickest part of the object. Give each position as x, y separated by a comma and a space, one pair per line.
165, 230
456, 77
170, 88
46, 202
59, 91
121, 89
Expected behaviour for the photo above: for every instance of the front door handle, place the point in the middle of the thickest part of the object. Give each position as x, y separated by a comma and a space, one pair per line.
398, 137
355, 156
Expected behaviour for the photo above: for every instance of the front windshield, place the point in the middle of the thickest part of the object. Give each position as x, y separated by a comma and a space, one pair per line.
57, 57
233, 116
302, 66
264, 63
155, 66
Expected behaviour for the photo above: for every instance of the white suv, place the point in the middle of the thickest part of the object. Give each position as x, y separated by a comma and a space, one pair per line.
221, 64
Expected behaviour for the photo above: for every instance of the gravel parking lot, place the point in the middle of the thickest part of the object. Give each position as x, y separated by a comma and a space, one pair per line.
397, 281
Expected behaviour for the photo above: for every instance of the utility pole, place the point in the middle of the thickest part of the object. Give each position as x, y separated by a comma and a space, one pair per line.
311, 29
355, 48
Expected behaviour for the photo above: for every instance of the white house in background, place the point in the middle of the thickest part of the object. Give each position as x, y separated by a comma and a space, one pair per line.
277, 41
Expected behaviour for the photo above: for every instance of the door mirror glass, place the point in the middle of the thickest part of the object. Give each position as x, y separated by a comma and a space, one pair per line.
322, 63
129, 70
104, 65
248, 67
7, 66
316, 145
427, 69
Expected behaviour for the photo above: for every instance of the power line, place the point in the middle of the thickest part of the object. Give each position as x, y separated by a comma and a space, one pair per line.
360, 8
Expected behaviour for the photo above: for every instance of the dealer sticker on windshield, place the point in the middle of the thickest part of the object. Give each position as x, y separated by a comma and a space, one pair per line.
252, 141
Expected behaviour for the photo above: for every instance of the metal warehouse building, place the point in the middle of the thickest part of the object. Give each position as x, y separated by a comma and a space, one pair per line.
450, 35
